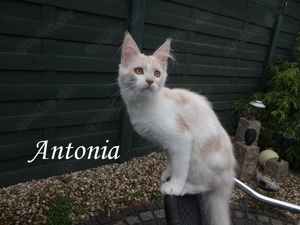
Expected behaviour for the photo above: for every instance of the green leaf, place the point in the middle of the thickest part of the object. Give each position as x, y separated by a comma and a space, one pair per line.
282, 113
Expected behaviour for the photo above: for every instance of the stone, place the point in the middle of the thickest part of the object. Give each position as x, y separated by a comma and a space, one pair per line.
133, 220
233, 206
103, 219
145, 216
251, 216
238, 214
160, 204
285, 218
250, 223
238, 221
91, 222
116, 216
159, 214
150, 222
266, 182
276, 222
127, 211
263, 219
271, 213
247, 160
139, 208
151, 206
295, 221
245, 124
277, 170
120, 223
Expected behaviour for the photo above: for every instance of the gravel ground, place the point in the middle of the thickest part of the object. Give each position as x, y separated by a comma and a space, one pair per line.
104, 189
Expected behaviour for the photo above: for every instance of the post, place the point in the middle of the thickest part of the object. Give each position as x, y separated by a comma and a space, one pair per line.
274, 38
136, 28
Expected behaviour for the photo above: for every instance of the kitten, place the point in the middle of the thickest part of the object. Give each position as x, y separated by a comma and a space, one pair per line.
198, 149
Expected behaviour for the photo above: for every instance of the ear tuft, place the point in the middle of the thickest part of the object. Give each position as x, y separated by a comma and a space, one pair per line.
163, 53
129, 49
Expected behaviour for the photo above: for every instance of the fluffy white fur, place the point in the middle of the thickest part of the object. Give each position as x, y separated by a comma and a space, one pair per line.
198, 149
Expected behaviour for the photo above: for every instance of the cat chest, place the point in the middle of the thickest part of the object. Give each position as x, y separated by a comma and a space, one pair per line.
153, 127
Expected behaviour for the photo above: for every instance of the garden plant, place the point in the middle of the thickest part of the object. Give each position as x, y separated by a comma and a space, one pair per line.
281, 95
61, 209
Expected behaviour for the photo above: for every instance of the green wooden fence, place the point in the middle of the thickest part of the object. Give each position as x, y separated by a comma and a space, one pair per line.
59, 63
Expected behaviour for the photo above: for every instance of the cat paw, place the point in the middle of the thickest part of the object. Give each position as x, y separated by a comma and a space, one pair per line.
171, 188
165, 176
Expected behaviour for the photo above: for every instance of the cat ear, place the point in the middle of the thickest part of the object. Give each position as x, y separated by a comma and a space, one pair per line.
129, 49
163, 53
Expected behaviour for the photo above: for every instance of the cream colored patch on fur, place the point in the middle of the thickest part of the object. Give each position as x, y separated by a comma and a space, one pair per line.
212, 144
183, 99
176, 119
181, 123
176, 96
168, 93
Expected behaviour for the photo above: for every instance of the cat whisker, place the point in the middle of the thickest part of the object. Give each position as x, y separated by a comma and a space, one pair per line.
183, 123
115, 96
118, 93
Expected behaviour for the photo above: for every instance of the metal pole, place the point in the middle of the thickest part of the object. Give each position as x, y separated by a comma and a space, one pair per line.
262, 198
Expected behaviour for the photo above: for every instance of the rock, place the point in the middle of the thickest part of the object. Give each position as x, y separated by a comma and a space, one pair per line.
267, 182
247, 160
245, 124
277, 170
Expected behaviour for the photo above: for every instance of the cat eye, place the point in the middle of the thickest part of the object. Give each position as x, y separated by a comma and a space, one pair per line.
138, 71
157, 73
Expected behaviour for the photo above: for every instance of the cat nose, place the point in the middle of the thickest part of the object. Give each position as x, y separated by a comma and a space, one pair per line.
149, 81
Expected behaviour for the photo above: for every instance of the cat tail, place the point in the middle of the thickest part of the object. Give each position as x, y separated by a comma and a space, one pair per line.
216, 207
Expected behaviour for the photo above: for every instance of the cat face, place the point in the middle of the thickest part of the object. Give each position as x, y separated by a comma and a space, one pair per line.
140, 73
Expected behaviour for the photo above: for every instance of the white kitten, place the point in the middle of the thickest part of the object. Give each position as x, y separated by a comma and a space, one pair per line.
199, 151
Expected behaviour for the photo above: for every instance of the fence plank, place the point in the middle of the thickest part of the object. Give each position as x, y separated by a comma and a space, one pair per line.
155, 17
43, 120
198, 48
35, 29
52, 62
59, 63
29, 149
272, 47
107, 8
59, 92
136, 26
233, 10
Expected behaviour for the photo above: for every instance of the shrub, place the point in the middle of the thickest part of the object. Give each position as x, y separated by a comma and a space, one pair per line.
282, 113
61, 209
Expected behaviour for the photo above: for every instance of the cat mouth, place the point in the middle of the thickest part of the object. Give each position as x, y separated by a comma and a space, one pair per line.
149, 89
146, 88
145, 91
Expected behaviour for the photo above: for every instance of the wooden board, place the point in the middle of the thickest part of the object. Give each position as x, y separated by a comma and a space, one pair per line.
59, 67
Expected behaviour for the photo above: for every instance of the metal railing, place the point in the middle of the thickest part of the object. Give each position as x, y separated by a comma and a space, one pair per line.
262, 198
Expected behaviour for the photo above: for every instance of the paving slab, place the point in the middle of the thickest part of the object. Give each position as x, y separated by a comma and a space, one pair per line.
154, 214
